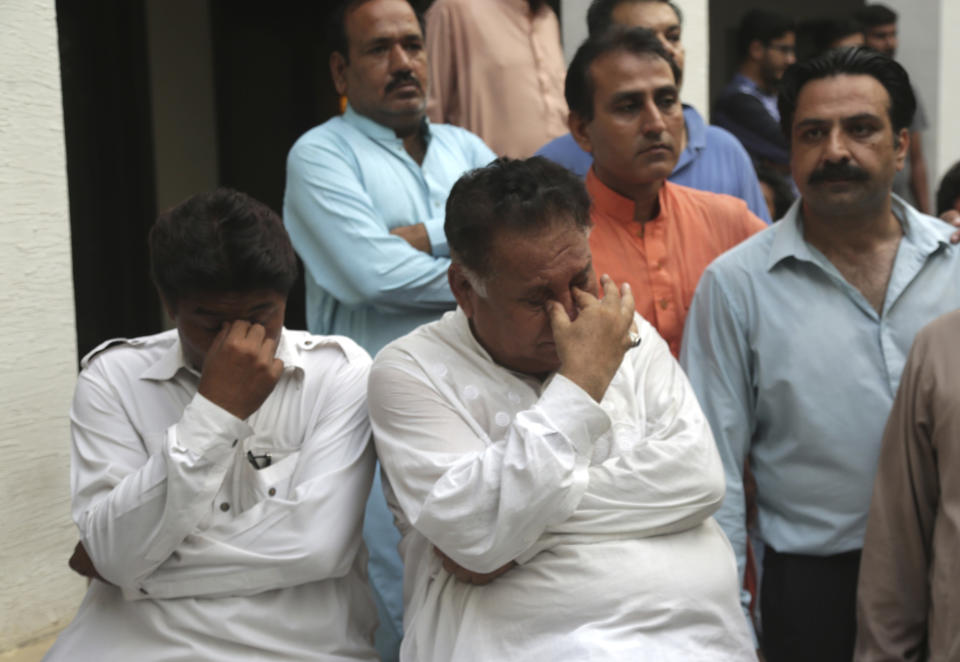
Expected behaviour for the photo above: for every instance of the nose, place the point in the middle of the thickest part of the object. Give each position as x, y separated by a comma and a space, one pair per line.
653, 124
399, 58
835, 148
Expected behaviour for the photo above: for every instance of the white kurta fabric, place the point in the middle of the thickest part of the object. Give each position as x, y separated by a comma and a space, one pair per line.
211, 559
606, 507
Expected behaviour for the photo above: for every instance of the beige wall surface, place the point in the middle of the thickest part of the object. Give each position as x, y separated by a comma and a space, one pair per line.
38, 339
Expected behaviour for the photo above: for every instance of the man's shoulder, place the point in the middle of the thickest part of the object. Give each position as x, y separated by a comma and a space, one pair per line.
711, 206
431, 334
335, 133
745, 262
720, 140
323, 352
129, 352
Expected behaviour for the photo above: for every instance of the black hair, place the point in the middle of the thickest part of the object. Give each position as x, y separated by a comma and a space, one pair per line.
600, 13
852, 61
220, 241
821, 33
579, 87
782, 193
337, 25
871, 16
763, 26
513, 195
949, 190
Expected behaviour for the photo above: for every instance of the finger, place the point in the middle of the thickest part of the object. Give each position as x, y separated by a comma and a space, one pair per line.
220, 338
559, 319
627, 303
256, 333
610, 289
238, 329
583, 298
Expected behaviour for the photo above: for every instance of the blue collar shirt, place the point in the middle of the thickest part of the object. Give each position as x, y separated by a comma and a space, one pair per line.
797, 372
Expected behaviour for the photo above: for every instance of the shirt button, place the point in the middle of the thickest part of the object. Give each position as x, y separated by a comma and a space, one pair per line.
224, 506
234, 443
144, 591
272, 491
660, 263
664, 304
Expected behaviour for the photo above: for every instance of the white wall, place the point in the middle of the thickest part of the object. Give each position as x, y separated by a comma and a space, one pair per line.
929, 31
695, 41
948, 83
38, 341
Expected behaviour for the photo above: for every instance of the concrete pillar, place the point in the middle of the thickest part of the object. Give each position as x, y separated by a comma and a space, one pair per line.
38, 593
929, 32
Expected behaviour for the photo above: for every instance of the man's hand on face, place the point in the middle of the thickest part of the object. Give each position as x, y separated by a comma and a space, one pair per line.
592, 346
240, 368
415, 235
468, 576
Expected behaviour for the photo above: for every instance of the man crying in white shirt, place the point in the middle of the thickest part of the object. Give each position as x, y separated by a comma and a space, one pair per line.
549, 468
220, 469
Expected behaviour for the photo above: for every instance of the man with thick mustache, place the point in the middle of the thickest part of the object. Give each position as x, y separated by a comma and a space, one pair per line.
796, 341
656, 235
364, 207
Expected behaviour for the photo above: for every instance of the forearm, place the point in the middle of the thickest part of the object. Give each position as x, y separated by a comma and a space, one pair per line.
485, 507
314, 533
132, 527
346, 244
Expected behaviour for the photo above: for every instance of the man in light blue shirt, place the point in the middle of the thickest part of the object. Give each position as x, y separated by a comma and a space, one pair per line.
796, 340
712, 159
364, 206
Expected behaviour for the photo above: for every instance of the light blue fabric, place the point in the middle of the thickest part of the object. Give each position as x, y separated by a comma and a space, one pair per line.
741, 83
713, 161
349, 181
795, 369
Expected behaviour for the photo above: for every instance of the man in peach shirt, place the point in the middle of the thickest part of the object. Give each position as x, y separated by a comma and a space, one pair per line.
659, 237
497, 69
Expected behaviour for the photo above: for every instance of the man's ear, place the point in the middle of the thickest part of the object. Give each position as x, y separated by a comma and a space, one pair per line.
755, 50
338, 71
901, 147
578, 129
169, 308
462, 289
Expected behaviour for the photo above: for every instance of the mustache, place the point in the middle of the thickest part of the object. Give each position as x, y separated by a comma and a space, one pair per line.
832, 172
401, 78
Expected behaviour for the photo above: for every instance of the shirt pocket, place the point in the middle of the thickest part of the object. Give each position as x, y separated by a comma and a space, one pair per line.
249, 485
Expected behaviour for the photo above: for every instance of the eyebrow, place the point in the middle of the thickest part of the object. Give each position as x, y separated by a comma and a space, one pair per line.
859, 117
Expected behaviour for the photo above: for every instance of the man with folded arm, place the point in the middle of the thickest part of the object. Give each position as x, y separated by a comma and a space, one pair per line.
220, 469
549, 467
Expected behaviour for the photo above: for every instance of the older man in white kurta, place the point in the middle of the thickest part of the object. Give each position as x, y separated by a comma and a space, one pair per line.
527, 447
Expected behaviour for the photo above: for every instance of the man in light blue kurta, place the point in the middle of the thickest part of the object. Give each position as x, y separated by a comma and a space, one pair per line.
796, 339
364, 206
349, 182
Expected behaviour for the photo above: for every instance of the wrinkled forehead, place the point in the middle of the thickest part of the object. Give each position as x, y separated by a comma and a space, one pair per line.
520, 257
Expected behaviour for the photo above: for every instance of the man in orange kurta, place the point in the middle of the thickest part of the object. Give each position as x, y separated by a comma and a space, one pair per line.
658, 236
